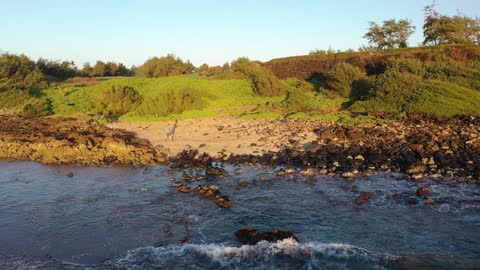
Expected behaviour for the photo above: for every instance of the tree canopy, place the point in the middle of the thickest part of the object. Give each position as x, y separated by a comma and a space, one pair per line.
391, 34
441, 29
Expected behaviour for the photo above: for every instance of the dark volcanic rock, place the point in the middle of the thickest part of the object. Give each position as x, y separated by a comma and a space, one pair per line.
364, 197
211, 170
423, 191
252, 236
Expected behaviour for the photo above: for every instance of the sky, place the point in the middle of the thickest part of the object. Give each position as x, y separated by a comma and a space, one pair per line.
202, 31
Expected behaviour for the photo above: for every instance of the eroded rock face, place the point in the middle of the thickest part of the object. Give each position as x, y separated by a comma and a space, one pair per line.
65, 140
252, 236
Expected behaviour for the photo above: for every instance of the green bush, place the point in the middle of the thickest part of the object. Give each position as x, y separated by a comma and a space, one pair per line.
444, 99
36, 107
298, 100
12, 99
291, 84
299, 94
393, 90
343, 77
407, 65
165, 66
171, 102
118, 100
264, 82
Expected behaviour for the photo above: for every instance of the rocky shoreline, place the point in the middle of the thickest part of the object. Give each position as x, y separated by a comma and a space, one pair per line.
67, 140
417, 146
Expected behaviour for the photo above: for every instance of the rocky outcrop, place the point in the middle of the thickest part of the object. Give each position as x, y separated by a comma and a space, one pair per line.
66, 140
252, 236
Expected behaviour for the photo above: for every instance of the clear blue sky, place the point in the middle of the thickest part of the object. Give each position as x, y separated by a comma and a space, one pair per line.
211, 31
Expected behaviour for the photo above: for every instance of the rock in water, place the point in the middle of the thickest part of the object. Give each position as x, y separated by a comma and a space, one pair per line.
423, 191
252, 236
364, 197
249, 236
210, 170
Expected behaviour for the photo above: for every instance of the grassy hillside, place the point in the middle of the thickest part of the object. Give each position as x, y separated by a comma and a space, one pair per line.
349, 87
220, 94
309, 67
431, 98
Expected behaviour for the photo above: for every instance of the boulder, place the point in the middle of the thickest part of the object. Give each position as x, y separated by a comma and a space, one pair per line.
423, 191
252, 236
364, 197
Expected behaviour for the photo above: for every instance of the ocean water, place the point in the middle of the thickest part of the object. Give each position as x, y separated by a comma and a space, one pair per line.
101, 219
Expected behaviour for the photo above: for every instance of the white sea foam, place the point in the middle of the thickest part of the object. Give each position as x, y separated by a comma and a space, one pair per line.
260, 256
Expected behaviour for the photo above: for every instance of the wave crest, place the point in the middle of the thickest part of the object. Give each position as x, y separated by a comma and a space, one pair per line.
285, 254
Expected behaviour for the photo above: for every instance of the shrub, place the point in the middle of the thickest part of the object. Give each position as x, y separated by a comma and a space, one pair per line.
298, 100
392, 91
165, 66
407, 65
264, 82
291, 84
342, 78
12, 99
171, 102
299, 94
118, 100
36, 107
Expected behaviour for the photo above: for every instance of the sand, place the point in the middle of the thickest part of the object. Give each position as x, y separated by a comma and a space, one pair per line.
227, 134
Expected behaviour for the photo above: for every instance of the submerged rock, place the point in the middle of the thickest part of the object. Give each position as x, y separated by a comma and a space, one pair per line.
423, 191
213, 192
364, 197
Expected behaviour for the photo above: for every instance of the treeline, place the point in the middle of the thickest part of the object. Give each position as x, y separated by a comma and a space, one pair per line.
20, 72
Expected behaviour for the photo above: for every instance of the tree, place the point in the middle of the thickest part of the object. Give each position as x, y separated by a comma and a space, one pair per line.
86, 70
112, 69
19, 72
441, 29
392, 34
123, 70
203, 69
58, 69
99, 69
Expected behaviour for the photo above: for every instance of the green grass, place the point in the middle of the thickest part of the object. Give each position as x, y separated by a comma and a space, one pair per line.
444, 99
220, 95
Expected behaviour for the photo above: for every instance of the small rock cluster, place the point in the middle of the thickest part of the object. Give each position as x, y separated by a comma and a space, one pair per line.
252, 236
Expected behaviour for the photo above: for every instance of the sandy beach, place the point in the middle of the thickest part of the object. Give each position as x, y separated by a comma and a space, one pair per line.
227, 134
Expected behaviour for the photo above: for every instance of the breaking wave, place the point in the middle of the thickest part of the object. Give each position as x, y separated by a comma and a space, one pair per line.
286, 254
